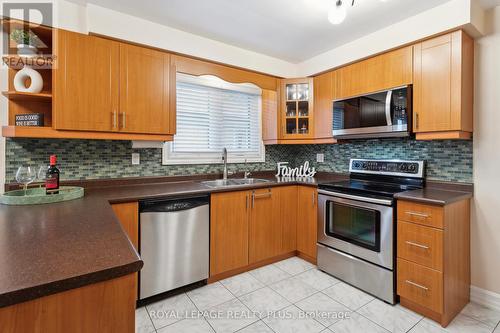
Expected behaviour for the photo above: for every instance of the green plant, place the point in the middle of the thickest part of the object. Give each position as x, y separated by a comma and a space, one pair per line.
21, 36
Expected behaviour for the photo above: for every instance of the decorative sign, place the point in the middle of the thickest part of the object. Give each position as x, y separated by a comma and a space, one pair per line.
302, 171
29, 119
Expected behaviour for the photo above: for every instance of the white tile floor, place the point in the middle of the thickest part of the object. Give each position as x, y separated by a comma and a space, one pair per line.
292, 296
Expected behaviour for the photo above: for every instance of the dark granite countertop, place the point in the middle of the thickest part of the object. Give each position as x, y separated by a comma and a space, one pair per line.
52, 248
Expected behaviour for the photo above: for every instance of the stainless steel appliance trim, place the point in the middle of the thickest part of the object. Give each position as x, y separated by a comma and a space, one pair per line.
383, 258
389, 134
417, 285
371, 278
355, 197
370, 93
417, 245
175, 249
388, 100
370, 130
420, 173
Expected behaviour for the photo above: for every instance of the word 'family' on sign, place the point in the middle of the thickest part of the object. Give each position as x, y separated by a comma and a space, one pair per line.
302, 171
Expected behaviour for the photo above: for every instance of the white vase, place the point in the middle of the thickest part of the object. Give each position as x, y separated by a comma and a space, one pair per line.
26, 50
20, 78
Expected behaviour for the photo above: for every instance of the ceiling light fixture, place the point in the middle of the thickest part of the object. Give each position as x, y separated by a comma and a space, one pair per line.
338, 12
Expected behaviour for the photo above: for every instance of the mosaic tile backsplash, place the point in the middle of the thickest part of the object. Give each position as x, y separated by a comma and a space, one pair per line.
93, 159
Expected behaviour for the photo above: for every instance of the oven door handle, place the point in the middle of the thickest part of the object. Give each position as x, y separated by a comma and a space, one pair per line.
356, 197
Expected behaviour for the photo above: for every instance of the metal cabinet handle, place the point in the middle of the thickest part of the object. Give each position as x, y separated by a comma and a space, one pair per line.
313, 198
258, 196
114, 115
123, 120
418, 214
417, 120
417, 245
417, 285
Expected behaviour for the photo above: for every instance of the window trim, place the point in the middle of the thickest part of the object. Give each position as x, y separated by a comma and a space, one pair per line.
171, 158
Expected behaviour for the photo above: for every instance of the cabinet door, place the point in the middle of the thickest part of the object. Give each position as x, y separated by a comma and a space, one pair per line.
296, 109
307, 221
144, 90
229, 214
86, 82
128, 215
288, 216
323, 105
265, 225
442, 99
269, 116
388, 70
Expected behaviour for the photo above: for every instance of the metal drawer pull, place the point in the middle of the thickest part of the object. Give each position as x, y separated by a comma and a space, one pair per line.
418, 214
115, 118
417, 245
417, 285
257, 196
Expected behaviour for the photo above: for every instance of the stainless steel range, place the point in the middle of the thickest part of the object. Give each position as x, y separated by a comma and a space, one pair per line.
356, 223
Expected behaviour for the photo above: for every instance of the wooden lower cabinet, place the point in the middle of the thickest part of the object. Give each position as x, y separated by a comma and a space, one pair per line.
433, 265
288, 215
229, 215
265, 232
107, 307
128, 215
307, 224
252, 228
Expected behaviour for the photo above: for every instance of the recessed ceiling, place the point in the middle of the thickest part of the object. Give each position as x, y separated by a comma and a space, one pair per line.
292, 30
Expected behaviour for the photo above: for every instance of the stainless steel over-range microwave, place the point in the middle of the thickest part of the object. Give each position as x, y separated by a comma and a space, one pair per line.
381, 114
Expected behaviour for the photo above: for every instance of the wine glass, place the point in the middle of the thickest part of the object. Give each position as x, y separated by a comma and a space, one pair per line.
25, 175
42, 174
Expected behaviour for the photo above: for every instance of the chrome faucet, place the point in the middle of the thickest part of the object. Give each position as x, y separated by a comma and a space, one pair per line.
224, 160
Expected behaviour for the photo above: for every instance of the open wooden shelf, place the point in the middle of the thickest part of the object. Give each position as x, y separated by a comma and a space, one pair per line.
17, 95
44, 132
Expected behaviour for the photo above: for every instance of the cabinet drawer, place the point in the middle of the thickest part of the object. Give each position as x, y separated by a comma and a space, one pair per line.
427, 215
421, 285
421, 245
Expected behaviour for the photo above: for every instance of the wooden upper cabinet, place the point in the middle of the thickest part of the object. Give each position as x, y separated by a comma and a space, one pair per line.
443, 87
388, 70
229, 214
85, 83
265, 234
269, 116
144, 90
324, 90
296, 112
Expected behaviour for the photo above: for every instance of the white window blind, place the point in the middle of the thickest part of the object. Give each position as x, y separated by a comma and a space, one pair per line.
213, 114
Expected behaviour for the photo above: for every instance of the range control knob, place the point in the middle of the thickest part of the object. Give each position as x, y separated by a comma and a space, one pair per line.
356, 165
412, 168
403, 167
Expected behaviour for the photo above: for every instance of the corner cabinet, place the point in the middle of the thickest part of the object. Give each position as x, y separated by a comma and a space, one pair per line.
443, 87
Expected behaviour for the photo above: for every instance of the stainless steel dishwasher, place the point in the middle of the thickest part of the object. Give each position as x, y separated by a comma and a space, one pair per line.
174, 243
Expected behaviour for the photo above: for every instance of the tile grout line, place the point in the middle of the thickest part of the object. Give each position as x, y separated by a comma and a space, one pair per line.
418, 322
479, 321
200, 312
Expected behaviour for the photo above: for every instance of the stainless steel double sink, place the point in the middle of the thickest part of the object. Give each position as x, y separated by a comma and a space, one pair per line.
233, 182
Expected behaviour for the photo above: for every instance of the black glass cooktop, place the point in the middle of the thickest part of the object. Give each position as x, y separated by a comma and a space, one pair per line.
366, 187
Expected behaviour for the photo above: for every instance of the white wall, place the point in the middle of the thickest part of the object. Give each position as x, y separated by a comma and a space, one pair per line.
485, 237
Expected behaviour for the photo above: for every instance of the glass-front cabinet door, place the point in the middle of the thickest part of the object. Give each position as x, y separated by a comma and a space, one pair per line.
297, 108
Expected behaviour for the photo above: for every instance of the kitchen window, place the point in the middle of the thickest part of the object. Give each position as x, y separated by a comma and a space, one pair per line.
213, 114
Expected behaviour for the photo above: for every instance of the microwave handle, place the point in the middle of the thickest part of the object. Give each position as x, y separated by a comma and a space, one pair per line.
388, 100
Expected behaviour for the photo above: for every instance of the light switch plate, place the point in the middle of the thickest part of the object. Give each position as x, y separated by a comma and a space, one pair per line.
136, 158
320, 158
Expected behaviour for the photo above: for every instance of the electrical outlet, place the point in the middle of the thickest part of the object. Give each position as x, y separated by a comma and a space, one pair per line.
320, 158
136, 158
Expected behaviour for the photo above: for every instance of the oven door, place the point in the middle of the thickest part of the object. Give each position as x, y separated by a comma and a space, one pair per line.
360, 228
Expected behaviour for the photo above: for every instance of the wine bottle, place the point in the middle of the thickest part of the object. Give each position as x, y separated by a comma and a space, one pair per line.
52, 178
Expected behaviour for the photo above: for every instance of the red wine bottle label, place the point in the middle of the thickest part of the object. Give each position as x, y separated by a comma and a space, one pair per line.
52, 183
